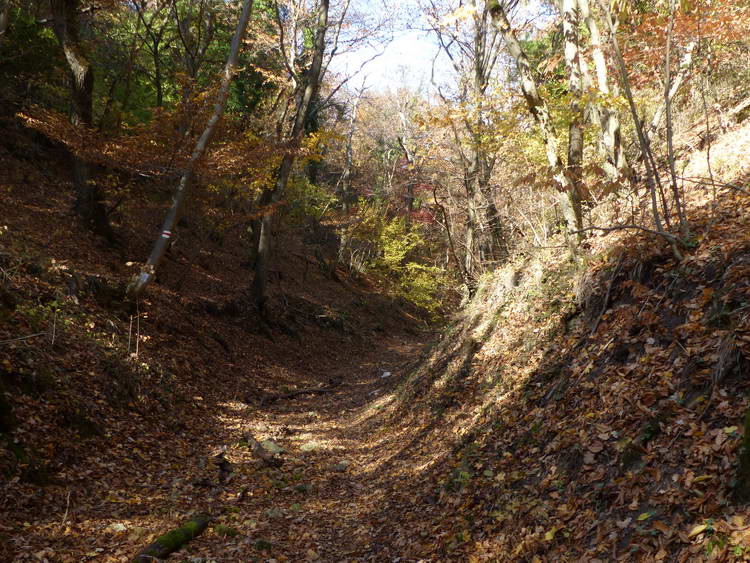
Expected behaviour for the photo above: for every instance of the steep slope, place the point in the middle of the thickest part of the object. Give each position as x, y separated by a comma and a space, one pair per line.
112, 413
591, 414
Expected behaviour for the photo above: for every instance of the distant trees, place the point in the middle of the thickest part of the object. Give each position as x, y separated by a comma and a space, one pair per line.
470, 44
615, 164
570, 200
523, 133
306, 87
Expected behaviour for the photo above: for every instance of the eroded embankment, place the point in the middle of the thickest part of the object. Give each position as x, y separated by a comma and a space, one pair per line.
592, 413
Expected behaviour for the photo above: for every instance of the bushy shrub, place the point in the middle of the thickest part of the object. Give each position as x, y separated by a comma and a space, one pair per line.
402, 251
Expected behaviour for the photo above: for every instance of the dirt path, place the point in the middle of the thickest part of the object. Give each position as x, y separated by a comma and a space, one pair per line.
331, 499
346, 482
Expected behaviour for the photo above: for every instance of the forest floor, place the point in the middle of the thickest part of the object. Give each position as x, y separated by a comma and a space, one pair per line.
565, 414
115, 418
337, 497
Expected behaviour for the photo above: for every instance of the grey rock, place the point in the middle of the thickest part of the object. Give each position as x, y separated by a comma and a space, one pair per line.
272, 447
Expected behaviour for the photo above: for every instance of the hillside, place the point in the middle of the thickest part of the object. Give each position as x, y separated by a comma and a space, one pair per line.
565, 413
354, 281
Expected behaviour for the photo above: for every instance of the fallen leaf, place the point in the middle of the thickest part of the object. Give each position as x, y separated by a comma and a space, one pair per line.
645, 516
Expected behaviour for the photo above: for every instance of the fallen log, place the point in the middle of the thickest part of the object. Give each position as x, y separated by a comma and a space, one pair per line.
268, 399
173, 540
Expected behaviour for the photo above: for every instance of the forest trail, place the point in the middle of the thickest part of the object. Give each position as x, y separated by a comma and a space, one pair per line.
343, 486
332, 498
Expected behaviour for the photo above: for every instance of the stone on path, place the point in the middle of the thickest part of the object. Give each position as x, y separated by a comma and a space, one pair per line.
272, 447
310, 446
340, 467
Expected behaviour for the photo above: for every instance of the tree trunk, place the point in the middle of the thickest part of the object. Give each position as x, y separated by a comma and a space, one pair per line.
346, 196
170, 542
654, 182
571, 26
472, 217
668, 113
570, 202
682, 73
494, 240
312, 81
484, 161
162, 243
89, 201
409, 195
158, 80
616, 165
4, 17
312, 125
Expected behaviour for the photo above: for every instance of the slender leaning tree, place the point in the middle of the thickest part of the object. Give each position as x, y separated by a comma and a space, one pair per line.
148, 272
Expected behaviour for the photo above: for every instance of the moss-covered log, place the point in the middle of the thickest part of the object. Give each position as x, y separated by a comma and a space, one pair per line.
742, 488
174, 540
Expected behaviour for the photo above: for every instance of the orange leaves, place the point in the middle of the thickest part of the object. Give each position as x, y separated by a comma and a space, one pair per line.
720, 23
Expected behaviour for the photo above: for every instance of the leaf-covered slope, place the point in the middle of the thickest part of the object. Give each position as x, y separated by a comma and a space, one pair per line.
112, 413
599, 415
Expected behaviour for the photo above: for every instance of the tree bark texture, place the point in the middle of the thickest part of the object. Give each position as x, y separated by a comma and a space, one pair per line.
170, 222
89, 202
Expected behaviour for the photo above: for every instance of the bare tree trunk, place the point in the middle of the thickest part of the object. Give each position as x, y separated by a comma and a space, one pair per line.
313, 77
616, 165
409, 196
346, 177
472, 220
483, 162
89, 201
654, 182
668, 111
571, 25
4, 17
493, 242
162, 243
449, 235
682, 73
475, 53
569, 200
